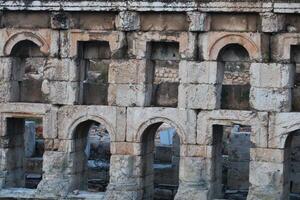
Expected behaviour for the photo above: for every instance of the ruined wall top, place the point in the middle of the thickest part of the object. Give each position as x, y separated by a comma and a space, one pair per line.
276, 6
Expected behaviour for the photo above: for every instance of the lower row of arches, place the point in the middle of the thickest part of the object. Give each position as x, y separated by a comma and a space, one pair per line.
160, 153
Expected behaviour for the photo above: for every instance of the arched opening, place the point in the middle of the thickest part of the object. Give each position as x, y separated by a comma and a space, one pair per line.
24, 152
231, 146
236, 81
292, 165
94, 59
27, 76
295, 58
91, 156
164, 60
160, 154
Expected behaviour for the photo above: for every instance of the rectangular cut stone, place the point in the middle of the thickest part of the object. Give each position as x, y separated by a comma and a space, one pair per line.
130, 72
272, 75
268, 155
201, 72
199, 21
9, 91
126, 148
271, 22
61, 70
267, 180
128, 21
270, 99
199, 96
61, 92
129, 94
196, 151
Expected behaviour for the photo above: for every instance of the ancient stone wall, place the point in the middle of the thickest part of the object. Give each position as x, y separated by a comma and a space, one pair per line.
202, 67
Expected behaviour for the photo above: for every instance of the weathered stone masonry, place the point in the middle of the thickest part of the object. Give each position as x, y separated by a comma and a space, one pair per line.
133, 65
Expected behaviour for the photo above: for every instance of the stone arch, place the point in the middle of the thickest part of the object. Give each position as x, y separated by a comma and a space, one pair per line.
18, 37
245, 42
101, 120
142, 128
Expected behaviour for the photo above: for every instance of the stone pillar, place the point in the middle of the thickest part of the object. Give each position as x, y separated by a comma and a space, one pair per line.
268, 178
195, 173
57, 177
200, 85
271, 85
126, 172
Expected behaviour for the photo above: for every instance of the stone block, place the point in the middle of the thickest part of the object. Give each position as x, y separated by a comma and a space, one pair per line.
205, 151
201, 72
139, 41
126, 170
197, 170
126, 148
61, 70
271, 22
9, 91
270, 99
184, 121
272, 75
129, 94
128, 21
61, 92
199, 96
60, 20
268, 155
266, 181
199, 21
7, 72
130, 72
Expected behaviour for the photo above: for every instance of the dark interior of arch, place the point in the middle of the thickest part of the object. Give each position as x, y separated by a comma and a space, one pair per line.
161, 154
91, 156
25, 49
291, 164
28, 63
236, 81
295, 58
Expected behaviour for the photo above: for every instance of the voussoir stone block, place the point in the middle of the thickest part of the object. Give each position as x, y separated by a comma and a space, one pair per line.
184, 120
